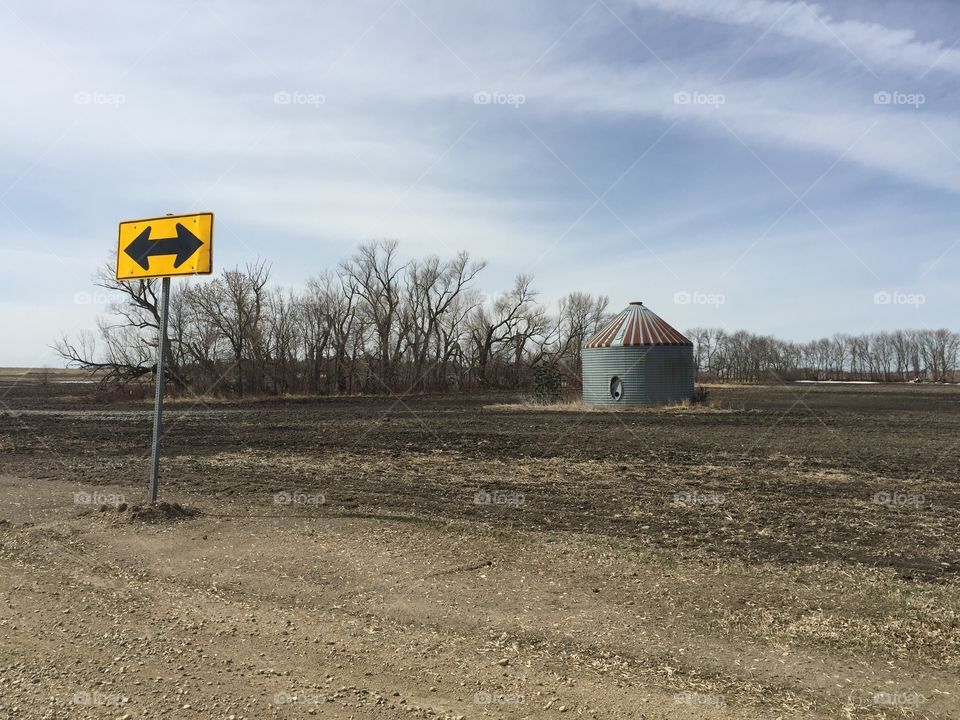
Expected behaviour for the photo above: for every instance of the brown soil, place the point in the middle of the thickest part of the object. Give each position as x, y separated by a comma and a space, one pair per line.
472, 557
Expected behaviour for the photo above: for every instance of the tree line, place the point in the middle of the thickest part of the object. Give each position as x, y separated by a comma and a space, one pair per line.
372, 324
897, 356
376, 323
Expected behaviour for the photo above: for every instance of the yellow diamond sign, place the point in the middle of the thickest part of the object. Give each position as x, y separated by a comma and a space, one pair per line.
165, 246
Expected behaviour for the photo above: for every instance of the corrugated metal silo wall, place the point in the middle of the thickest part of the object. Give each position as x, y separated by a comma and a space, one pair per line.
651, 375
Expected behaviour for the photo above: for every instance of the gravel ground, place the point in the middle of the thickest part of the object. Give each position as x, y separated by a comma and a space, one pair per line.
443, 558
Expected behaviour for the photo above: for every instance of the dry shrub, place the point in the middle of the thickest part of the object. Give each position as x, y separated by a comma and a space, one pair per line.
579, 406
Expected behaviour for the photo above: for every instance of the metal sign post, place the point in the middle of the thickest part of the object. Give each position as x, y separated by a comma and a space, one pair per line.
158, 400
158, 248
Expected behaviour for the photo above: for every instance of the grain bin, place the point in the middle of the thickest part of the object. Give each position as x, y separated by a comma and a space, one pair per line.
637, 359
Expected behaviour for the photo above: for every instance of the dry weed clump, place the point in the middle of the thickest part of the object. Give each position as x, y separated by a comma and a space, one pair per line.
685, 407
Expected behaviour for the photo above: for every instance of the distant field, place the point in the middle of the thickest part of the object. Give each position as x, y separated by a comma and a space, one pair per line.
36, 375
786, 552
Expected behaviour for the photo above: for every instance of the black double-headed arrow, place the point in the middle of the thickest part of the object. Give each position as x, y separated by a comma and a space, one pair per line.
183, 246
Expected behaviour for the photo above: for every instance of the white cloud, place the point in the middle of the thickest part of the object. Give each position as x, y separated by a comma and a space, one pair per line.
871, 43
301, 184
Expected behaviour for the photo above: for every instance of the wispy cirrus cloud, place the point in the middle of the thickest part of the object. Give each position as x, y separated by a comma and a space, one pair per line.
399, 147
872, 43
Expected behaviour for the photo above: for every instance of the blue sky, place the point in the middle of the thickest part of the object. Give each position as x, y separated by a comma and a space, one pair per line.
754, 164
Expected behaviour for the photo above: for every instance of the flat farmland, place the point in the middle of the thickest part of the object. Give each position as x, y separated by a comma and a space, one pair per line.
783, 552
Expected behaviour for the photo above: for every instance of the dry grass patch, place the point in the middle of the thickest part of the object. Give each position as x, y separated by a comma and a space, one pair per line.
578, 406
879, 615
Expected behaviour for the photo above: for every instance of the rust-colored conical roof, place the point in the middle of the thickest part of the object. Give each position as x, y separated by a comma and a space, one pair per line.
637, 325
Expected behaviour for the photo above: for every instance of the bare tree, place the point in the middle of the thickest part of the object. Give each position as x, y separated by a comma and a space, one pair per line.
432, 288
375, 273
128, 335
234, 302
581, 315
491, 327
